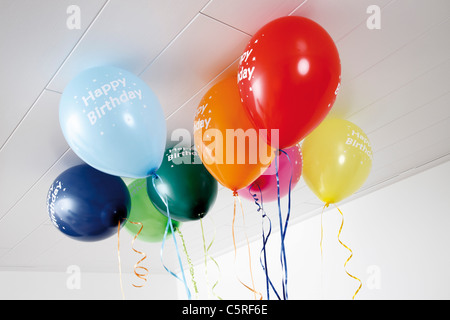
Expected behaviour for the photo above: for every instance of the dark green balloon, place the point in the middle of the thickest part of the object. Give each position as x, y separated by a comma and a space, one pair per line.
143, 211
189, 188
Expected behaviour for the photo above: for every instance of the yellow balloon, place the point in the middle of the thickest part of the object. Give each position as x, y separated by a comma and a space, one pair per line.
337, 158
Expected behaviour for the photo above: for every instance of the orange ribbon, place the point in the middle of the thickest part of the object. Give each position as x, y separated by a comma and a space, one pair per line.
137, 266
235, 195
120, 264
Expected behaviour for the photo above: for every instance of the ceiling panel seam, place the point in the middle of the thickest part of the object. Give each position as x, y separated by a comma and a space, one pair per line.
298, 7
438, 66
48, 249
400, 176
169, 44
226, 24
206, 5
203, 88
34, 184
179, 34
432, 100
436, 160
88, 28
55, 73
421, 34
21, 120
363, 22
416, 131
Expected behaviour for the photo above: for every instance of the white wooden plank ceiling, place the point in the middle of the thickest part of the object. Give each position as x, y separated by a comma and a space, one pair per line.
395, 86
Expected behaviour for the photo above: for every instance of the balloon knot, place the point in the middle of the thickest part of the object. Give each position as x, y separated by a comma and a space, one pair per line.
235, 193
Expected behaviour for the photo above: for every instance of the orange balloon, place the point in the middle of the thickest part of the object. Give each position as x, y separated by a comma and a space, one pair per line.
228, 144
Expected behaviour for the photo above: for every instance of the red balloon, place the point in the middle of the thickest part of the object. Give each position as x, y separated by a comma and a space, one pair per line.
289, 76
267, 182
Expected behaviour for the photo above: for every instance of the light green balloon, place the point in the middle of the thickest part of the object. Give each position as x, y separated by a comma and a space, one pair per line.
143, 211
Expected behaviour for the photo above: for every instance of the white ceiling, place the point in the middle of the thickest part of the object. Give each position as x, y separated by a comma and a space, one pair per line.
395, 86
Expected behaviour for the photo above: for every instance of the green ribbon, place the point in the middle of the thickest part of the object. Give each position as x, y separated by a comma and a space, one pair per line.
189, 261
207, 255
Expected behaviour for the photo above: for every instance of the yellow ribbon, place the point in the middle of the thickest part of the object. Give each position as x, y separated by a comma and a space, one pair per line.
351, 254
235, 195
321, 247
345, 246
321, 230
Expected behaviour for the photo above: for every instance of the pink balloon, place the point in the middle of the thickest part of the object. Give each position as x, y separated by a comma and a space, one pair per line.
267, 182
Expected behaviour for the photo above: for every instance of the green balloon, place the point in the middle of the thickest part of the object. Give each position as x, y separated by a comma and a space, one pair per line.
143, 211
187, 185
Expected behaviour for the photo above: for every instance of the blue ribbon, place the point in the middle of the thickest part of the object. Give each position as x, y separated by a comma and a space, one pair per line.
283, 229
265, 239
169, 224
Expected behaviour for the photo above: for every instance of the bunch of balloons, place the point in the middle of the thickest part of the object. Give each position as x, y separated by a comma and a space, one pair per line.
248, 126
286, 83
114, 122
248, 129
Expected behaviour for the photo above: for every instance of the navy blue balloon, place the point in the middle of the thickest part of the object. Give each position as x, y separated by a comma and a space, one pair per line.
86, 204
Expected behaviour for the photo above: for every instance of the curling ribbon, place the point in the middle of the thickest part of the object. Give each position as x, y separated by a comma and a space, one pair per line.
137, 266
321, 230
235, 195
265, 239
345, 246
207, 255
189, 261
169, 224
283, 229
351, 254
321, 245
118, 256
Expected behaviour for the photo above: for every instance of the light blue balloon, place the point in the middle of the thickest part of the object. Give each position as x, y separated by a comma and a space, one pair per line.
114, 122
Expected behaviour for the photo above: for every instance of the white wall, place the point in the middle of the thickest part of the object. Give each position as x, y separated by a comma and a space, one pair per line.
84, 285
400, 237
